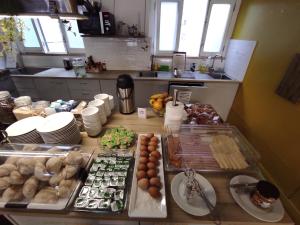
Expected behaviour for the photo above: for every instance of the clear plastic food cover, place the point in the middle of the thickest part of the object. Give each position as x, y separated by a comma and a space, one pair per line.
209, 148
40, 176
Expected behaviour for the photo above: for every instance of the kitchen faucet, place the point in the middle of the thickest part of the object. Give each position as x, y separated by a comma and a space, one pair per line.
211, 69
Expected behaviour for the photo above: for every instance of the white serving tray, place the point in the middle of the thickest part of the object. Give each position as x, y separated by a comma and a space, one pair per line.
141, 204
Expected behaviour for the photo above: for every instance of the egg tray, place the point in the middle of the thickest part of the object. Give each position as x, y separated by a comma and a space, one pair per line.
105, 189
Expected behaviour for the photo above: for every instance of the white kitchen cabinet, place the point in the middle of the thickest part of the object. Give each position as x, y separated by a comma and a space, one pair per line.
131, 12
52, 88
26, 86
83, 89
144, 89
109, 87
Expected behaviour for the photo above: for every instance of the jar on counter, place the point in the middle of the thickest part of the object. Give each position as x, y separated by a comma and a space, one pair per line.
79, 67
6, 108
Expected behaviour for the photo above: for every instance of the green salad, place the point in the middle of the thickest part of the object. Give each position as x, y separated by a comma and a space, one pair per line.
117, 138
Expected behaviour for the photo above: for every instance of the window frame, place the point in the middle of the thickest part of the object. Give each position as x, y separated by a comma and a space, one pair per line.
43, 49
179, 14
234, 9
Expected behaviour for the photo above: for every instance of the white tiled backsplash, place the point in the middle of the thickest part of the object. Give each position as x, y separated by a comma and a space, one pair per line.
120, 53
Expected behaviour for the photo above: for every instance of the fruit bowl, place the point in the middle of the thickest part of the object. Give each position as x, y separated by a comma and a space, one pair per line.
158, 103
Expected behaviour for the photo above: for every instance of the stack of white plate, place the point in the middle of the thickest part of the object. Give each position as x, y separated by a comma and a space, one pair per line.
105, 98
100, 105
91, 120
23, 101
24, 131
60, 128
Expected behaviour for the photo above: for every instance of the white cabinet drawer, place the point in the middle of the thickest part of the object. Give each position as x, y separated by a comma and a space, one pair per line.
81, 84
33, 93
21, 82
83, 95
52, 89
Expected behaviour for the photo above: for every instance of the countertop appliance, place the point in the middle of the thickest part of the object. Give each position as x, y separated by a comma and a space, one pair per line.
188, 92
125, 93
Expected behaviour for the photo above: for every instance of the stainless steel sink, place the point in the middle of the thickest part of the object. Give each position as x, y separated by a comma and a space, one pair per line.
219, 75
148, 74
27, 70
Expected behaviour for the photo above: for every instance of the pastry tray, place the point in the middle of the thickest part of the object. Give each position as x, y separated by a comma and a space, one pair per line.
41, 151
191, 148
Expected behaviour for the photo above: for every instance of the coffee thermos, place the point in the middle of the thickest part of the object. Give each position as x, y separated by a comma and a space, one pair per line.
125, 93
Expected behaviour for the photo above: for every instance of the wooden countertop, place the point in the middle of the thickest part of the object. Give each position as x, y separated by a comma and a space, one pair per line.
230, 212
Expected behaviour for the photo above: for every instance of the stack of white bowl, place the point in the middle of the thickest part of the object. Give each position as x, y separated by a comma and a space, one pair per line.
24, 131
100, 105
111, 102
60, 128
91, 120
105, 98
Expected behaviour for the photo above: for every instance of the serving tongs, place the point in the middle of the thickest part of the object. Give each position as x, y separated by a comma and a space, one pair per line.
243, 187
193, 187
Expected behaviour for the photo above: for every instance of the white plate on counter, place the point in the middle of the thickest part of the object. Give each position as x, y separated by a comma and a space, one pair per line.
274, 214
141, 204
178, 193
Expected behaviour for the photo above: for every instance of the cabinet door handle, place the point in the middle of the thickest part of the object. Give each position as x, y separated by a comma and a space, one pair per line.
84, 83
85, 93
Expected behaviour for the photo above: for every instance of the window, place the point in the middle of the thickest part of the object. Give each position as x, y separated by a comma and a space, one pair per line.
197, 27
48, 35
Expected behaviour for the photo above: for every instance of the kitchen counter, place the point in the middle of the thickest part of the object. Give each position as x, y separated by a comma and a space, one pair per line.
113, 74
230, 212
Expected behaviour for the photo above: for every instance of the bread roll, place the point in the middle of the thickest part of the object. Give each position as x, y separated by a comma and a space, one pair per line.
29, 148
74, 158
16, 177
65, 188
54, 150
12, 160
13, 194
41, 173
26, 165
6, 169
70, 170
4, 183
30, 187
54, 164
47, 195
55, 179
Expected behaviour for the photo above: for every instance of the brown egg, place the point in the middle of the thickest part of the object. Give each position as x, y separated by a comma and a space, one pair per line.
154, 192
143, 160
152, 143
143, 142
151, 165
144, 154
151, 148
155, 181
149, 135
144, 148
154, 139
153, 159
143, 183
144, 138
151, 173
142, 166
156, 154
141, 174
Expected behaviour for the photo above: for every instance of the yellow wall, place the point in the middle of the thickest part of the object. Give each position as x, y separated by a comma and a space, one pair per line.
271, 123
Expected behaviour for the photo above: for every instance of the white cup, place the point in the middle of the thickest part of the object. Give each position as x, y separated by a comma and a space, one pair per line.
90, 114
100, 105
111, 102
92, 131
49, 111
105, 98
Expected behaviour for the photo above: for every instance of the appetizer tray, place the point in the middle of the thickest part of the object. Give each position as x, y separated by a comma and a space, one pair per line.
40, 176
142, 204
209, 148
106, 186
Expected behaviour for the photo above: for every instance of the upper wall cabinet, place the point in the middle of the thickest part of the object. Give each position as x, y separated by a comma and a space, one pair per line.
131, 12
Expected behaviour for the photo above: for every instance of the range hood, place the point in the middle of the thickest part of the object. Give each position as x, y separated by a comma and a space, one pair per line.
34, 8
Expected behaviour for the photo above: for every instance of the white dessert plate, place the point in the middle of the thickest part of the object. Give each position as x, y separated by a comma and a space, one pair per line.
141, 204
198, 208
55, 122
24, 126
274, 214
